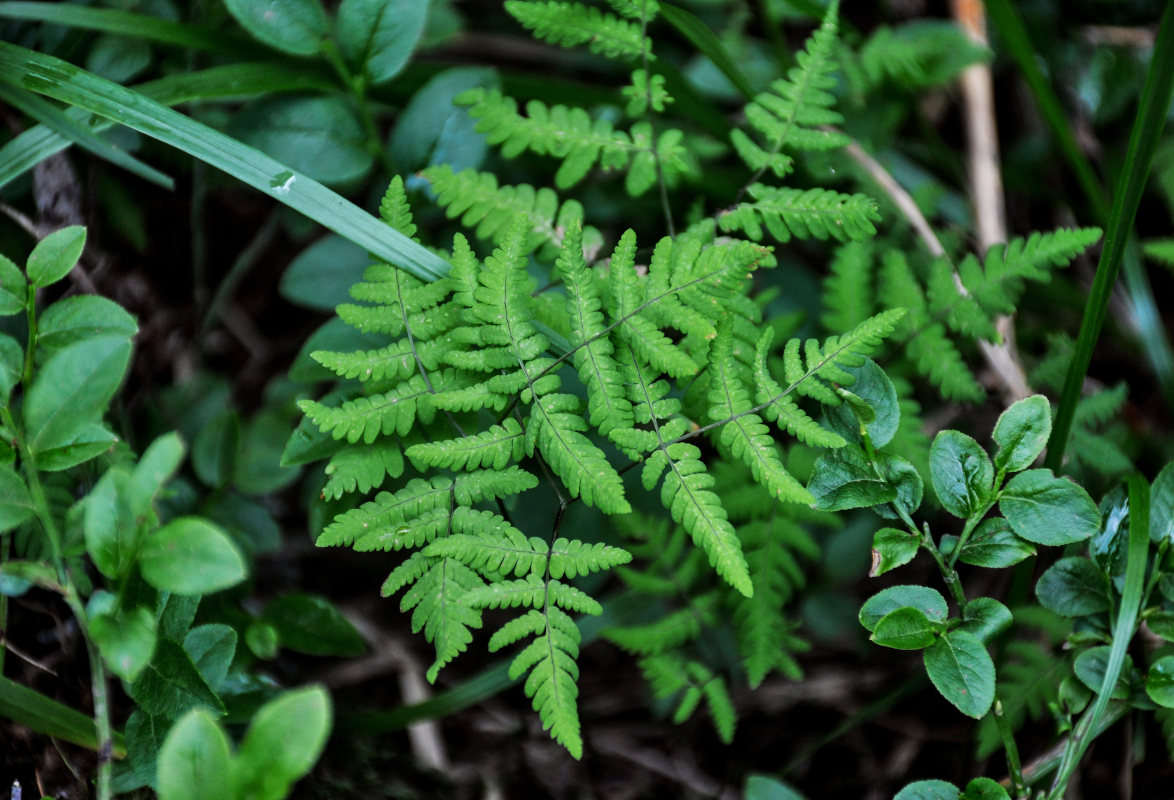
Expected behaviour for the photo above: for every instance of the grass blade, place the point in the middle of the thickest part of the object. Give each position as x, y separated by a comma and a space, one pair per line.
45, 715
126, 23
75, 131
230, 82
69, 84
705, 40
1143, 141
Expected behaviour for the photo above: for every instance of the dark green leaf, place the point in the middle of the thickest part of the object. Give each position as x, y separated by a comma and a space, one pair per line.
963, 672
176, 613
11, 365
926, 600
292, 26
891, 548
258, 467
72, 389
1090, 668
282, 744
1048, 510
195, 762
317, 135
764, 787
159, 462
144, 738
211, 648
216, 448
1022, 433
928, 790
190, 555
993, 544
44, 715
1161, 624
1073, 696
871, 400
91, 441
13, 288
15, 504
1073, 587
843, 479
308, 624
379, 35
906, 482
55, 255
961, 472
321, 276
906, 628
118, 58
986, 618
125, 636
248, 522
1162, 506
431, 130
82, 317
1159, 683
171, 684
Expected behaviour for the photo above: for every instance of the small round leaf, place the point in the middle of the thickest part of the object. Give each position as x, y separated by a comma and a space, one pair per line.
190, 555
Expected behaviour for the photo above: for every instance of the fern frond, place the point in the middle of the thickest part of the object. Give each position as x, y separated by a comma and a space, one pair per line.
367, 418
362, 467
571, 24
489, 209
847, 290
805, 214
792, 113
396, 360
553, 683
998, 283
810, 373
780, 408
744, 431
666, 633
669, 675
608, 406
919, 54
646, 92
493, 448
556, 429
436, 600
636, 9
395, 210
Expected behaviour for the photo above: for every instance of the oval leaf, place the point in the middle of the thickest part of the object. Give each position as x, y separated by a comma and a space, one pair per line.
961, 473
1048, 510
906, 628
72, 389
993, 544
321, 276
283, 742
963, 672
891, 548
125, 637
82, 317
55, 255
984, 789
1091, 665
379, 35
1022, 433
195, 760
292, 26
1073, 587
1159, 683
190, 555
986, 618
13, 288
928, 790
926, 600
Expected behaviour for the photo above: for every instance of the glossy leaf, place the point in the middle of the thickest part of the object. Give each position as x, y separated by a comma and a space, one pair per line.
843, 479
1048, 510
891, 548
994, 544
81, 317
1091, 666
1159, 682
195, 760
55, 255
190, 555
906, 628
961, 472
882, 413
922, 598
986, 618
1022, 433
961, 669
928, 790
984, 789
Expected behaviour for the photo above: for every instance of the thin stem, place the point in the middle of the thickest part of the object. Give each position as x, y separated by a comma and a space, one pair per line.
357, 84
949, 574
968, 528
1014, 769
26, 377
99, 691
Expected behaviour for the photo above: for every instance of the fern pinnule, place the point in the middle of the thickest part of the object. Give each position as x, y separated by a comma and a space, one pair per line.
492, 448
570, 24
804, 214
362, 467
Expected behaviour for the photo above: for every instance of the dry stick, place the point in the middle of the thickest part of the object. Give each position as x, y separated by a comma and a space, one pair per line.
986, 186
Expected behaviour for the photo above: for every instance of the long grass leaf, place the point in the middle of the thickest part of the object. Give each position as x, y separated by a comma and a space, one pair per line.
1143, 141
45, 715
69, 84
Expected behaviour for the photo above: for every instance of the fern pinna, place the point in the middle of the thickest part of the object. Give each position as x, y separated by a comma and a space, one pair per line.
658, 359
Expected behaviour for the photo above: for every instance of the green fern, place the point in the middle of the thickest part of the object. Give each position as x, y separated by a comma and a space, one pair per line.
804, 214
571, 24
919, 54
694, 682
794, 113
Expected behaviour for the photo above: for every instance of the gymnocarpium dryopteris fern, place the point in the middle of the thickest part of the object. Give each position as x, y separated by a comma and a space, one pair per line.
672, 363
945, 304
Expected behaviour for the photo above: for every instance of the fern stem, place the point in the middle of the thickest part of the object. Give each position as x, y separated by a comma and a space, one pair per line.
1143, 141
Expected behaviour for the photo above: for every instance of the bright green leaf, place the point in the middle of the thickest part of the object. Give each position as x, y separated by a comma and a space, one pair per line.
961, 669
1159, 682
891, 548
15, 504
1048, 510
1022, 433
906, 628
926, 600
993, 544
125, 636
986, 618
283, 742
961, 472
55, 255
261, 639
984, 789
190, 555
91, 441
82, 317
156, 466
195, 761
13, 288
